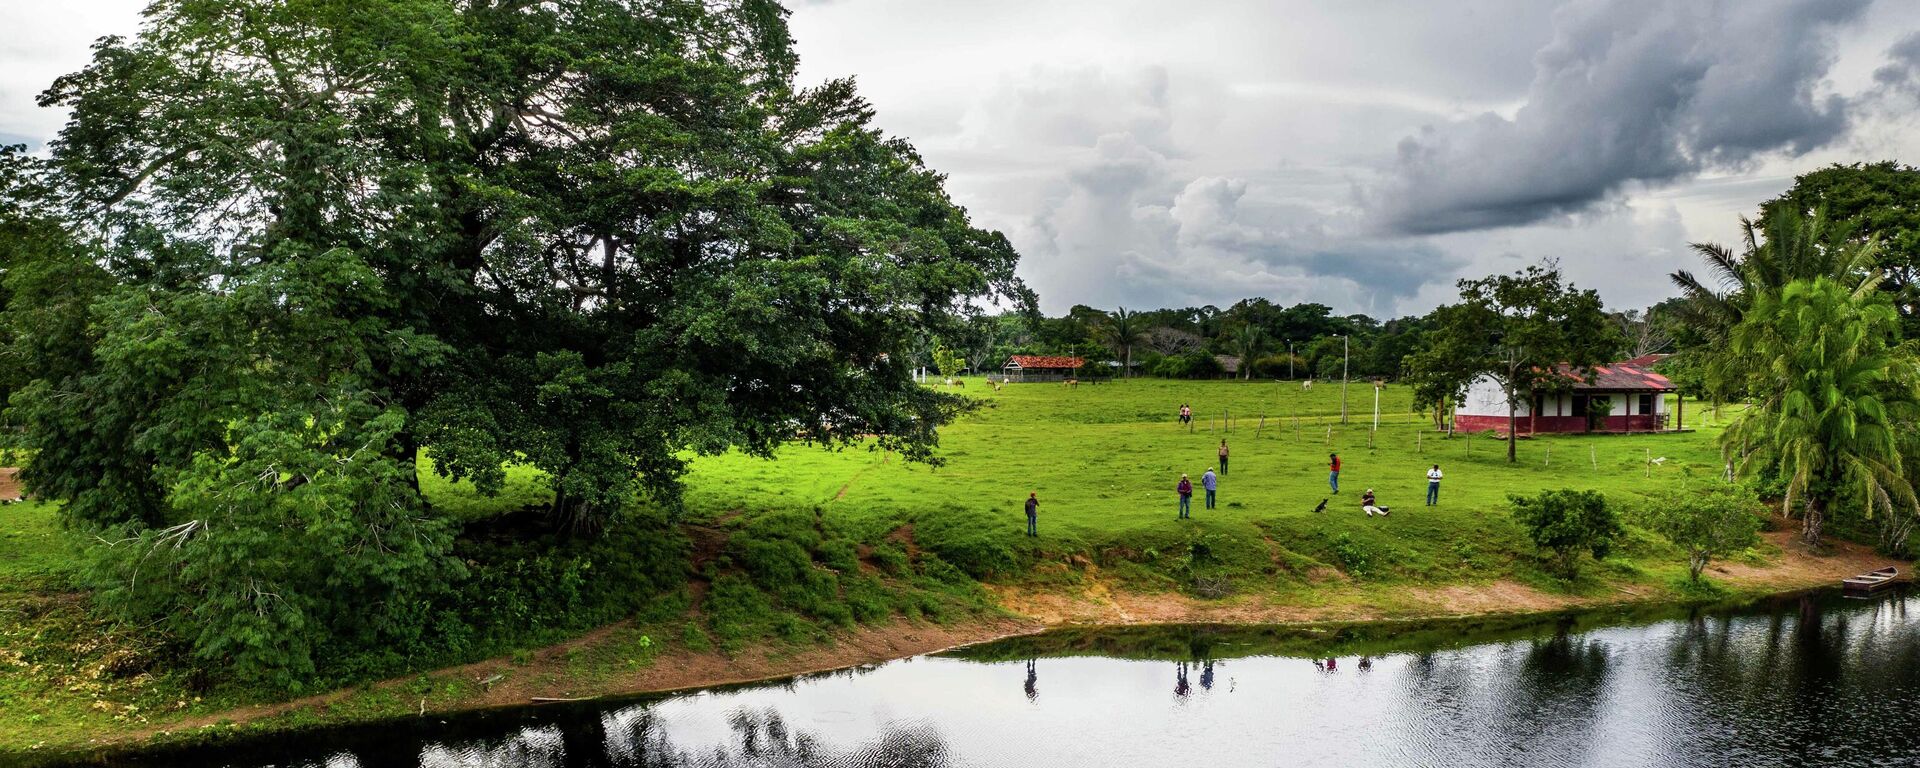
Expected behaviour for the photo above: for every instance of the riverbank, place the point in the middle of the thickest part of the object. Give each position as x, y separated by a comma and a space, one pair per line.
627, 660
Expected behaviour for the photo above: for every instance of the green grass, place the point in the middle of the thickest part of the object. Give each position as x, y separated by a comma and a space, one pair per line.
1104, 460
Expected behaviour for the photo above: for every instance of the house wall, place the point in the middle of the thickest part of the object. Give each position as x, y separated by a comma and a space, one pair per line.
1485, 398
1556, 415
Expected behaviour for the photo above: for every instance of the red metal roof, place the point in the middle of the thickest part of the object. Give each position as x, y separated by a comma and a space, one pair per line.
1043, 361
1623, 377
1644, 361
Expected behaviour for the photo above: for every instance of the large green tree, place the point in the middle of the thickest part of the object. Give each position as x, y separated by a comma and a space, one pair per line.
1834, 387
1530, 332
1862, 202
1785, 249
595, 236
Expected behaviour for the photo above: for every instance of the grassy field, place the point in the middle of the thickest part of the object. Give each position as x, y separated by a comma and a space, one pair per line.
783, 558
1104, 461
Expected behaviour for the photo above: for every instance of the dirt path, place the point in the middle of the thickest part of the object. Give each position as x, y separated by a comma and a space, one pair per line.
1099, 603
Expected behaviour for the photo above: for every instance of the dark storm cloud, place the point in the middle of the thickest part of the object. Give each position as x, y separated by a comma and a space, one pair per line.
1902, 70
1627, 91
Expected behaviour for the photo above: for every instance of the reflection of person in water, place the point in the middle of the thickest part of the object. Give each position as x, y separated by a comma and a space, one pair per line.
1033, 681
1333, 664
1366, 663
1206, 674
1180, 685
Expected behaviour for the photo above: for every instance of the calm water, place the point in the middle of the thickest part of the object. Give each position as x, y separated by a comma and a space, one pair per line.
1802, 681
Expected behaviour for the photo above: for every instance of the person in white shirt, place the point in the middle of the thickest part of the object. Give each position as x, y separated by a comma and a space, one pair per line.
1433, 486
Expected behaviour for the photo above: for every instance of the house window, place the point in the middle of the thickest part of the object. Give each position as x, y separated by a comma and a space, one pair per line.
1646, 403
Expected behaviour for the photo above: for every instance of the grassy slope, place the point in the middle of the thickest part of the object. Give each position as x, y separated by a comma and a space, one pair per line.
1103, 459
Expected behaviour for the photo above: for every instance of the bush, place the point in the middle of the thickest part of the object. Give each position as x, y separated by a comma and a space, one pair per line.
1565, 522
1717, 522
1354, 557
1275, 367
1193, 365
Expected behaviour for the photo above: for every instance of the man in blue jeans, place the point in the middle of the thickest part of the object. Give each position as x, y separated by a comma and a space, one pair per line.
1185, 489
1433, 486
1210, 483
1333, 472
1033, 514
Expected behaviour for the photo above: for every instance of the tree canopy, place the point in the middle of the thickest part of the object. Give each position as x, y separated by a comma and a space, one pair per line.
300, 242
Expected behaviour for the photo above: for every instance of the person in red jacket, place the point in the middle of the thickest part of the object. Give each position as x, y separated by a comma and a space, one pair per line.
1185, 488
1333, 474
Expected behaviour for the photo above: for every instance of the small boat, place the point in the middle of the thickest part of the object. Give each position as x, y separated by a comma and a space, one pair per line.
1870, 582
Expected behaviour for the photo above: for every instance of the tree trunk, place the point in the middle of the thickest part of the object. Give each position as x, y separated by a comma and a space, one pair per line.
1513, 424
1813, 517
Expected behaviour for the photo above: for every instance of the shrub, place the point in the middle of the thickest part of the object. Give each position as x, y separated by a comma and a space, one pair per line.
959, 539
1717, 522
1354, 557
1276, 367
1565, 522
1193, 365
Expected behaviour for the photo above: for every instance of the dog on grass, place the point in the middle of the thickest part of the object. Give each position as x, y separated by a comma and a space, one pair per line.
1322, 507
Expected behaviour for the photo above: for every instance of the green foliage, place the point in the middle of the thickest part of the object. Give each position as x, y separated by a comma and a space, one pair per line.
1193, 365
1834, 389
596, 238
1122, 332
1716, 522
1565, 523
307, 534
959, 539
1354, 557
1865, 202
1786, 249
947, 361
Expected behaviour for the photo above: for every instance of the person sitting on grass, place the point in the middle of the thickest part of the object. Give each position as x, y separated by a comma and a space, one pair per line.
1372, 507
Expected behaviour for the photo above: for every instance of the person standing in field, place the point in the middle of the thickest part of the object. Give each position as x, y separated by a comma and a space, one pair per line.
1033, 514
1186, 414
1433, 486
1185, 489
1333, 472
1209, 483
1223, 457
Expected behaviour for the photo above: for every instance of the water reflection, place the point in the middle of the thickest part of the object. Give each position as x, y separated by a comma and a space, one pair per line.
1803, 681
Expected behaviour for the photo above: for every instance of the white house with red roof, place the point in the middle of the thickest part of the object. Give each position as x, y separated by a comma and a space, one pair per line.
1617, 397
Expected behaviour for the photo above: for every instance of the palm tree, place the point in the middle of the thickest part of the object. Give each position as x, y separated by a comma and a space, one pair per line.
1123, 331
1833, 383
1789, 248
1248, 344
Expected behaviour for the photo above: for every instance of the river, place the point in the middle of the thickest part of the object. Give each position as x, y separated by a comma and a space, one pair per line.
1809, 680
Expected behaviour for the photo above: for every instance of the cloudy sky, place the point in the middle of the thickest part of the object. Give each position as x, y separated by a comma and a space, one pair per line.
1360, 154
